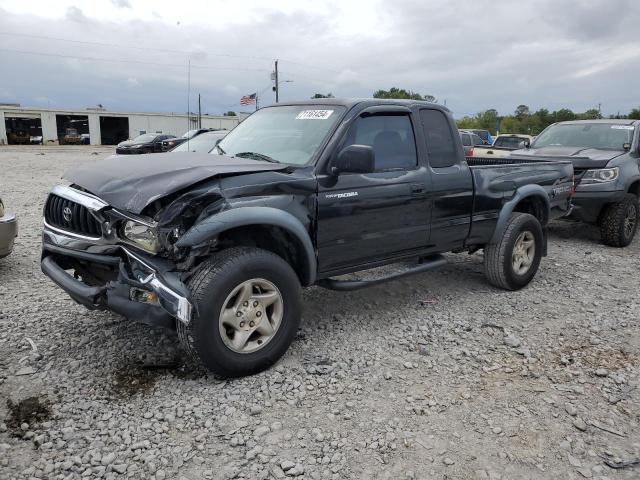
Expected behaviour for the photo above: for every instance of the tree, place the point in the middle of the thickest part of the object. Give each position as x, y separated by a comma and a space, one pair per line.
322, 95
230, 114
634, 114
590, 114
521, 112
564, 115
394, 92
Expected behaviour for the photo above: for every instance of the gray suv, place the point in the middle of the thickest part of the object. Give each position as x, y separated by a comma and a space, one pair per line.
606, 162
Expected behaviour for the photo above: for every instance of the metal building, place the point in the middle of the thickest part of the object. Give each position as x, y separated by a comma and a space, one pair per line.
18, 124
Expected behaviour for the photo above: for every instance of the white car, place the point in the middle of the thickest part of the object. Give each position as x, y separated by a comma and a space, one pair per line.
503, 145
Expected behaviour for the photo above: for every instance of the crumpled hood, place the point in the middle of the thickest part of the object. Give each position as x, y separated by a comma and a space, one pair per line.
581, 157
132, 184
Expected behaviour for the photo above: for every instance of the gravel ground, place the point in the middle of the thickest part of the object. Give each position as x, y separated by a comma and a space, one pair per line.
437, 376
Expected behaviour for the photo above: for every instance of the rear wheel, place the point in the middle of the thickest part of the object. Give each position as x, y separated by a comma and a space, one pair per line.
619, 222
248, 311
512, 262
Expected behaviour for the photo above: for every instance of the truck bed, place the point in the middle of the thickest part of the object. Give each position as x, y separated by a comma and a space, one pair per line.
496, 181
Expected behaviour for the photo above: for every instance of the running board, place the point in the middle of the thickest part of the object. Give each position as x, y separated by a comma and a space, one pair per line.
428, 263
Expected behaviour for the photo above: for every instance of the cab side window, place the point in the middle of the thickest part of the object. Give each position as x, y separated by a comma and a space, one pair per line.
441, 148
477, 140
390, 136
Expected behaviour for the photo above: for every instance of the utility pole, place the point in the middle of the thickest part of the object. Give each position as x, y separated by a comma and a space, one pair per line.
199, 113
599, 108
277, 86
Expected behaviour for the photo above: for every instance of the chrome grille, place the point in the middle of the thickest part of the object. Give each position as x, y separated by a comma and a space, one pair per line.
71, 216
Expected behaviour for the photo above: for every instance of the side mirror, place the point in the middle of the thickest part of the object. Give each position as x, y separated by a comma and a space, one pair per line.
354, 159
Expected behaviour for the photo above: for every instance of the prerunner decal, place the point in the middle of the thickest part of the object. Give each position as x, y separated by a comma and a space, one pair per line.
314, 114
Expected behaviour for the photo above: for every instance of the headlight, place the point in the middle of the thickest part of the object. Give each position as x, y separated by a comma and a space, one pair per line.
600, 175
141, 235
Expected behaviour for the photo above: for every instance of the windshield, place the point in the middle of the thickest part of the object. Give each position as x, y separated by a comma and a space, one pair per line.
288, 134
509, 142
147, 137
189, 134
202, 143
604, 136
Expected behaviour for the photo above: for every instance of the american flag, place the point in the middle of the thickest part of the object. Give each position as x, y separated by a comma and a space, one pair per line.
248, 99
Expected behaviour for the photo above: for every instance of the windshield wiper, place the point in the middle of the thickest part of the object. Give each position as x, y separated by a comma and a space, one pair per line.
256, 156
220, 149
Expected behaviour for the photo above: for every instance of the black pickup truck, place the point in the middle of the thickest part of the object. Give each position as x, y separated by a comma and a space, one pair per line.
218, 245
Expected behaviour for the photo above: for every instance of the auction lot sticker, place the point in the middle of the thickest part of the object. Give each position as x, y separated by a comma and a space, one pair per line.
314, 114
623, 127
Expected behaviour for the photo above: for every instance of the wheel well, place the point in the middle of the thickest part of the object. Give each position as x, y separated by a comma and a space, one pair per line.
635, 188
275, 239
535, 206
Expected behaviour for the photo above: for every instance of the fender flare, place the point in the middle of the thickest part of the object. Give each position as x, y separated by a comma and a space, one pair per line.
212, 226
526, 191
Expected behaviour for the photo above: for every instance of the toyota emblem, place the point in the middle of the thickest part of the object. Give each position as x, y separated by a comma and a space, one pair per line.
67, 214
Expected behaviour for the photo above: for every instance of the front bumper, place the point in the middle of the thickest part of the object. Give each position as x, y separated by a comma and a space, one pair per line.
588, 205
131, 274
8, 233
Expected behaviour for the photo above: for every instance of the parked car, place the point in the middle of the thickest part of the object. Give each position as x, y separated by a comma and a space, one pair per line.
35, 140
485, 135
296, 195
19, 137
469, 142
202, 143
85, 139
8, 231
71, 137
504, 144
175, 141
605, 156
145, 143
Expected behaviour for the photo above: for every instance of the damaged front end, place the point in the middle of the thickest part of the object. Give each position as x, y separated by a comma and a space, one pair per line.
107, 259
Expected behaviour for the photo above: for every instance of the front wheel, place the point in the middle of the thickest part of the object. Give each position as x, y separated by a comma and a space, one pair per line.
619, 222
248, 311
513, 261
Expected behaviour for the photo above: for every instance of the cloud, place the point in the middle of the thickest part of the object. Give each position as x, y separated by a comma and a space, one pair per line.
75, 14
543, 53
121, 3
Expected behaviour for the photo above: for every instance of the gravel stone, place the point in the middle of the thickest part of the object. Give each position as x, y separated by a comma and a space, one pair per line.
437, 375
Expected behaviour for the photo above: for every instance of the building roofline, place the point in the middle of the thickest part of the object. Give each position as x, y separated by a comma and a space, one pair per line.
95, 111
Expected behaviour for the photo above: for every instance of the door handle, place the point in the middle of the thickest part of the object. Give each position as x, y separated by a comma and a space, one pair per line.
417, 189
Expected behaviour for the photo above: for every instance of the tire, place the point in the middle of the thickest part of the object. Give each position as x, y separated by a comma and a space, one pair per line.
619, 222
209, 342
500, 258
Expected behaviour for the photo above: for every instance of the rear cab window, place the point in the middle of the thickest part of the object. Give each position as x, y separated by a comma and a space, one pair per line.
442, 150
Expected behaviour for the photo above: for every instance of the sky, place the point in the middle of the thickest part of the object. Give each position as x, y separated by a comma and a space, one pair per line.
133, 55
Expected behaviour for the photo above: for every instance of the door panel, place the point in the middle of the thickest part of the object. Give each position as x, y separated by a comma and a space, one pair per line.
452, 185
370, 217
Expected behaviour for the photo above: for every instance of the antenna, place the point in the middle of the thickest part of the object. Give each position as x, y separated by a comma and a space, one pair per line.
188, 98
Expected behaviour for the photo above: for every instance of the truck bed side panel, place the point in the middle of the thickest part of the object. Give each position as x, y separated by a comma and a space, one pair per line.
496, 181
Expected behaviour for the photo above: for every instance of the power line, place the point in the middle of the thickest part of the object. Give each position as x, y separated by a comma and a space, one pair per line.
121, 60
133, 47
156, 49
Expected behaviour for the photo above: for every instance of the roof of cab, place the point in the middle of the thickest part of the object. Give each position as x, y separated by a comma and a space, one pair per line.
352, 102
